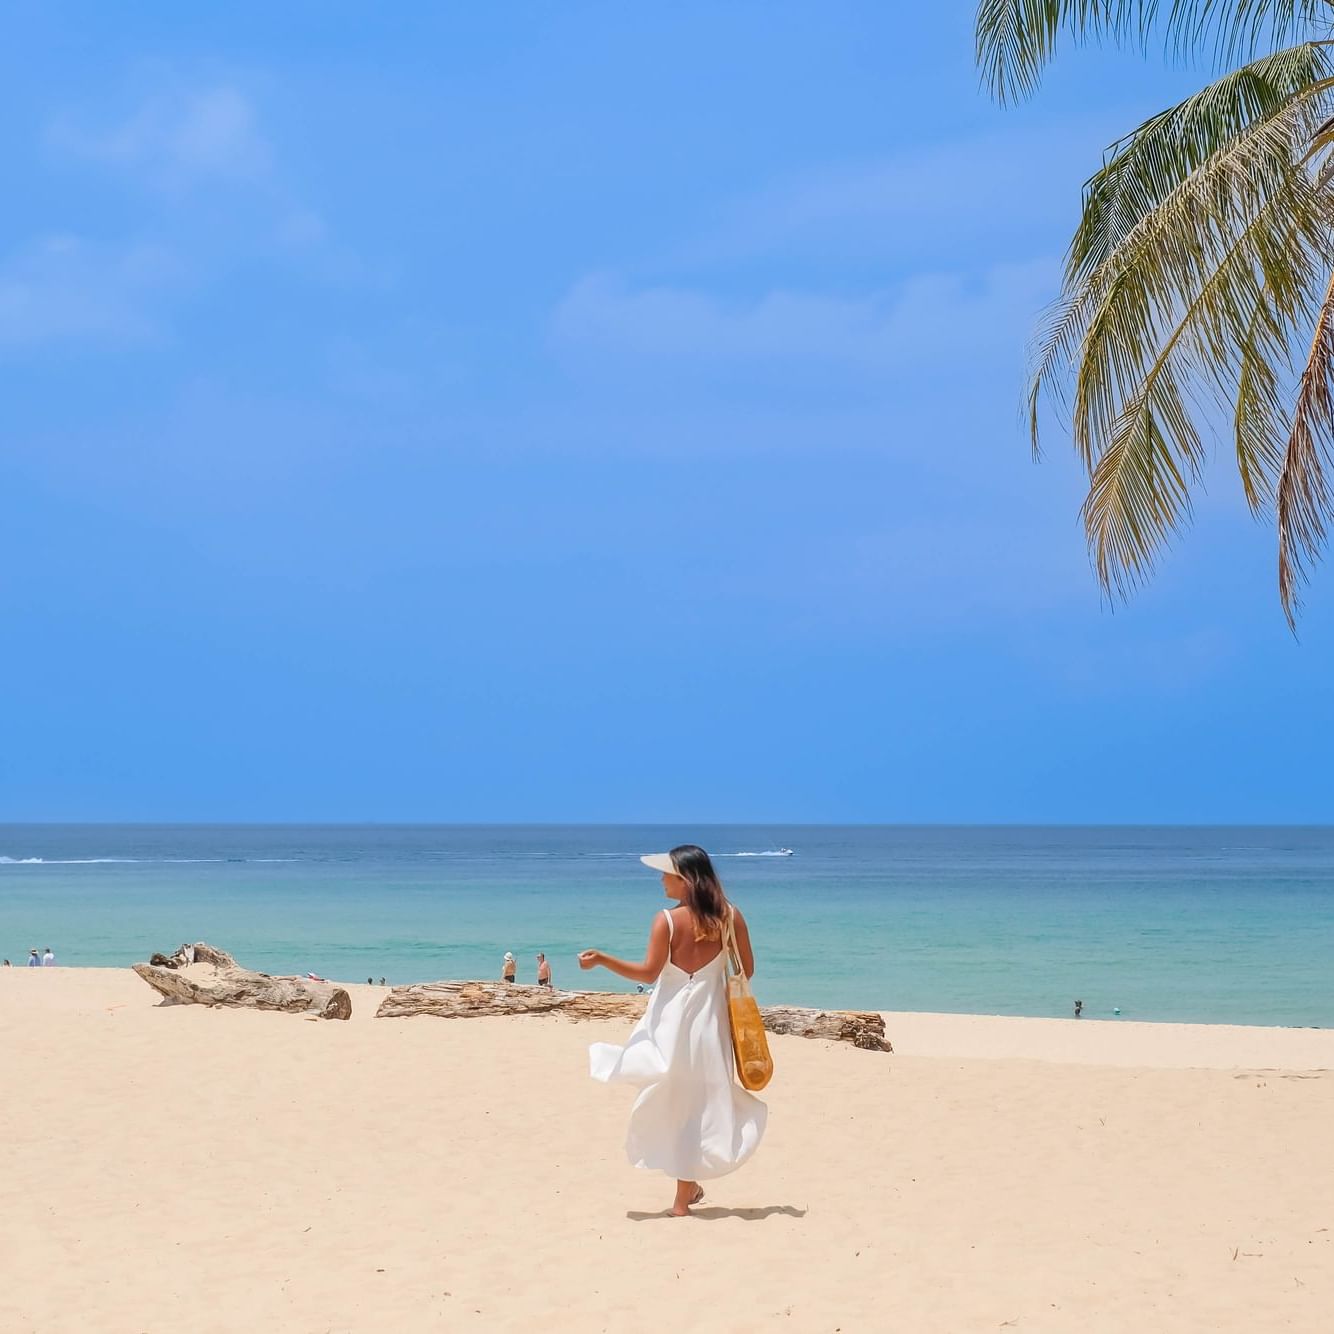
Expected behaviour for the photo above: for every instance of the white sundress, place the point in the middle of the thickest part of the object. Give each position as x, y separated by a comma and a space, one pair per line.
691, 1119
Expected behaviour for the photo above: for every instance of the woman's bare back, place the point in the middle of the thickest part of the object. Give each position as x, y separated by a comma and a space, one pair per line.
687, 953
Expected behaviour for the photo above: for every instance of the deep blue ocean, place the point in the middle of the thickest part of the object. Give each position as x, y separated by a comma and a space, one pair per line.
1215, 925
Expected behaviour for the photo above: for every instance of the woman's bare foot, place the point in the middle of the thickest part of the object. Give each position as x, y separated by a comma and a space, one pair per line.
687, 1193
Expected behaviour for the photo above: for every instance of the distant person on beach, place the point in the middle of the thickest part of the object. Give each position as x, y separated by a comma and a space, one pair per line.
6, 964
34, 961
543, 971
48, 959
1079, 1009
691, 1119
509, 967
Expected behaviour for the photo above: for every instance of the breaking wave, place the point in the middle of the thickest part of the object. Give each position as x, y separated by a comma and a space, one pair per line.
133, 861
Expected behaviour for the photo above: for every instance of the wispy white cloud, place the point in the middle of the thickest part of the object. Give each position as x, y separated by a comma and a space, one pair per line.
176, 137
217, 200
188, 142
66, 287
924, 322
990, 187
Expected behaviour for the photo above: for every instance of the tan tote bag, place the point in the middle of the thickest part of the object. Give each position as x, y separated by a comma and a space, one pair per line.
750, 1043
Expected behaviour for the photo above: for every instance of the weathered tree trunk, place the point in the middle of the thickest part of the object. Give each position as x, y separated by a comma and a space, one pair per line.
199, 952
242, 989
862, 1028
464, 1000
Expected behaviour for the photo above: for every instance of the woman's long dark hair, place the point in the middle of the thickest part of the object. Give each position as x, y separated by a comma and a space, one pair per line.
704, 891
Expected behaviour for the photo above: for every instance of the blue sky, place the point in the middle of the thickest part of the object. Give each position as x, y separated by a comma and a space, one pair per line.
582, 412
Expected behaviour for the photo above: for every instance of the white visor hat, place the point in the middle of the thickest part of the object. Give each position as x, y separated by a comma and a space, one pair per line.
660, 861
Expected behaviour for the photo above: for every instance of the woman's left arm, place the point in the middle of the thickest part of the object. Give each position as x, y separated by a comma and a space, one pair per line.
655, 957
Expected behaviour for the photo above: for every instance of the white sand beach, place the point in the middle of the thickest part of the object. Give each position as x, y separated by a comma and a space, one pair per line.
165, 1168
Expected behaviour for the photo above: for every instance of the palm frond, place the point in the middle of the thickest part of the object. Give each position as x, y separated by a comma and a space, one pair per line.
1172, 323
1053, 349
1228, 30
1016, 38
1142, 169
1151, 451
1140, 489
1261, 420
1303, 491
1111, 316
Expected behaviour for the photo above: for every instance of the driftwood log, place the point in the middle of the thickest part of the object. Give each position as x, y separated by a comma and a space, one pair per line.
199, 952
465, 1000
241, 988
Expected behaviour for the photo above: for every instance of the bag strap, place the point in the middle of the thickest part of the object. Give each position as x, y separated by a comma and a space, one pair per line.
730, 945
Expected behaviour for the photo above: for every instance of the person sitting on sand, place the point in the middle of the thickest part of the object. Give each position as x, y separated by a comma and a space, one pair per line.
509, 967
543, 971
690, 1120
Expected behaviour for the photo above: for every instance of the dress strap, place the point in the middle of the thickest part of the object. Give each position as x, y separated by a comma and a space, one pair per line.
667, 913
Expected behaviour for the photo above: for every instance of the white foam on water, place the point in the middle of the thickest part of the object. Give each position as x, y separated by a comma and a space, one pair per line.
105, 861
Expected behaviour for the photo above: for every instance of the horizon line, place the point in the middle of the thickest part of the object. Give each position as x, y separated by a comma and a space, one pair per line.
662, 824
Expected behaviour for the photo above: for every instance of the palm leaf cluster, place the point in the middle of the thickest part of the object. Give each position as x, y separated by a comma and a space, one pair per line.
1198, 296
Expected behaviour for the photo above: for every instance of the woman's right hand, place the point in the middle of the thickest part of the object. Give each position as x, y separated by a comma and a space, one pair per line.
589, 959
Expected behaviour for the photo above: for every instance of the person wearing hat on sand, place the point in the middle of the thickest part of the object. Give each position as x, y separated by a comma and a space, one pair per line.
509, 968
691, 1119
34, 959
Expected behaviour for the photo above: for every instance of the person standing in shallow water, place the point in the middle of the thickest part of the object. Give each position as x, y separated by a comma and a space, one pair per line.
691, 1119
509, 968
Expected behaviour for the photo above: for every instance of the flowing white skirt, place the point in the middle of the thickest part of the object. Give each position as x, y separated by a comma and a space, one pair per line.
691, 1119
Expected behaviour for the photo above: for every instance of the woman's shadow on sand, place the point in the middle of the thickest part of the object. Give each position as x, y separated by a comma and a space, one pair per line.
714, 1212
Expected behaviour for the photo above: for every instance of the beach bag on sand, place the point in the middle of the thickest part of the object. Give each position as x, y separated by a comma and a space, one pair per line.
750, 1043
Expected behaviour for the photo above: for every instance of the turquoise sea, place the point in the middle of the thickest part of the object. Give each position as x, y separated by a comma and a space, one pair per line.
1217, 925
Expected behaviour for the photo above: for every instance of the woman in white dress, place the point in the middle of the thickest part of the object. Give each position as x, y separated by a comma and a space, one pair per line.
691, 1119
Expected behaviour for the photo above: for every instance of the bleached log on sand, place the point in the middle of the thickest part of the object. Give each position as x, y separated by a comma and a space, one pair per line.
240, 988
199, 952
862, 1028
466, 1000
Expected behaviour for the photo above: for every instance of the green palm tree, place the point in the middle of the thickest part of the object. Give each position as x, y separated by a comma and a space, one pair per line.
1198, 297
